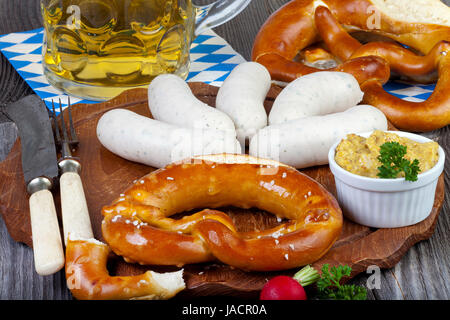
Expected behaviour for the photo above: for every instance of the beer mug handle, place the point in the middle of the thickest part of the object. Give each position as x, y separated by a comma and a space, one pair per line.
217, 13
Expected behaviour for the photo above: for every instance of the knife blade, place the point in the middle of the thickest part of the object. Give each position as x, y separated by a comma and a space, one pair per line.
40, 168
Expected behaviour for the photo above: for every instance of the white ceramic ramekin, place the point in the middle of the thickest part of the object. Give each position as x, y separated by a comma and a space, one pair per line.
386, 203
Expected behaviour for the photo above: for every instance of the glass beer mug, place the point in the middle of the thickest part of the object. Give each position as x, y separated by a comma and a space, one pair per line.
95, 49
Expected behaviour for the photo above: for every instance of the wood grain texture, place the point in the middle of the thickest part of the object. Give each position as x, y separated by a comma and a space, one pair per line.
422, 273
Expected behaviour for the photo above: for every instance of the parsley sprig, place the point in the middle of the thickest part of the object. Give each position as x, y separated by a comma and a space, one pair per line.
329, 286
393, 162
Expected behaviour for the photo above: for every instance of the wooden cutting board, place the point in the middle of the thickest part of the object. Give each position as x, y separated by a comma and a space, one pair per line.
106, 175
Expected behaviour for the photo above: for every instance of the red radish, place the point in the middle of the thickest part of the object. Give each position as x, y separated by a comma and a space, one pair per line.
283, 288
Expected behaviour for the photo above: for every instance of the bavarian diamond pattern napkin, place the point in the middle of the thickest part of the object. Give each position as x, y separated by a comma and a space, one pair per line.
212, 60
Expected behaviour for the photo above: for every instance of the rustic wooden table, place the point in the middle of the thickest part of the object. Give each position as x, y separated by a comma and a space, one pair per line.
423, 273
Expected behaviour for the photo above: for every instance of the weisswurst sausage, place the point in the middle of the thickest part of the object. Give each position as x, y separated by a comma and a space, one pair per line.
171, 100
242, 97
316, 94
305, 142
156, 143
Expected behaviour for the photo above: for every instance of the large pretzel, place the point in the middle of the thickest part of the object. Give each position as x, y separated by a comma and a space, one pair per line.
303, 22
137, 225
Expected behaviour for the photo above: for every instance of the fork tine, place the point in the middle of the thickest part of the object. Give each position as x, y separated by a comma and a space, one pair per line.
74, 138
65, 149
63, 125
55, 122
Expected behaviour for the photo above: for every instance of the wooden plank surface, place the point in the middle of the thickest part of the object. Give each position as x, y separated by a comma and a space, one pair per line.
422, 273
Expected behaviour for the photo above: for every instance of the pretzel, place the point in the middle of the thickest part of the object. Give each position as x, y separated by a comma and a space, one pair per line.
317, 57
300, 23
88, 278
431, 114
137, 225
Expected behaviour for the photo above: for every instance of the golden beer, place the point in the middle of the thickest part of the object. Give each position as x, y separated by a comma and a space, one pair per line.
96, 49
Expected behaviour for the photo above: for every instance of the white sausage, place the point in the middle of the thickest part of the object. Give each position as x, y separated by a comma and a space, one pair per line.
171, 100
155, 143
305, 142
242, 97
316, 94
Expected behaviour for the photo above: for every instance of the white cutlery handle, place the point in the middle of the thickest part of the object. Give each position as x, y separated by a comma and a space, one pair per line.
75, 214
47, 245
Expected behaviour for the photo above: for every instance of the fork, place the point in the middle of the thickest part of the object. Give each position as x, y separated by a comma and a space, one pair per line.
75, 214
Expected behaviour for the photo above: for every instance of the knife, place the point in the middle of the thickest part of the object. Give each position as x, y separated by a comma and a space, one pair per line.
40, 168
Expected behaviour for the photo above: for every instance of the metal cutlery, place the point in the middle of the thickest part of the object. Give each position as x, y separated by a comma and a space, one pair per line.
40, 168
75, 214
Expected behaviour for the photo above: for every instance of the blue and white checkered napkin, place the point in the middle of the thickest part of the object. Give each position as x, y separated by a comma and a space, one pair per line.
212, 59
